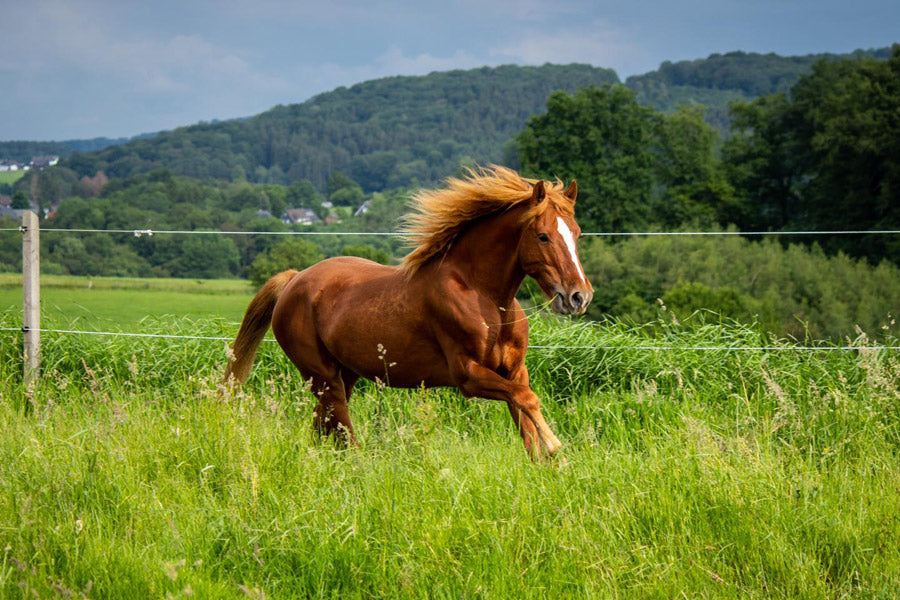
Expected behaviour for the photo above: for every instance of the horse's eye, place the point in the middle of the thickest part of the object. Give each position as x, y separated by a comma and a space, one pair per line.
544, 237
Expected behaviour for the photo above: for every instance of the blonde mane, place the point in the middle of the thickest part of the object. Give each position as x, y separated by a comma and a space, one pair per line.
441, 215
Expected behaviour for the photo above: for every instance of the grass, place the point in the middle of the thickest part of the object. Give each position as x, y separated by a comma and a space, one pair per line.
11, 177
123, 303
127, 473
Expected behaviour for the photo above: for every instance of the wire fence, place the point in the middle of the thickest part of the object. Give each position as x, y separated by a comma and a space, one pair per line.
666, 347
648, 348
152, 232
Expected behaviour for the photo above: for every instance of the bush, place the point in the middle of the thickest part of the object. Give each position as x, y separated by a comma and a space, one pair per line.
368, 252
292, 254
788, 290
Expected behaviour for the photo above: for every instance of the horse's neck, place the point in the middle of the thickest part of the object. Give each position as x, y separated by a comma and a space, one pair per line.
487, 256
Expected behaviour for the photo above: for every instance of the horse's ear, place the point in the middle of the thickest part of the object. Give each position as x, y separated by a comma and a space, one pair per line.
538, 193
572, 191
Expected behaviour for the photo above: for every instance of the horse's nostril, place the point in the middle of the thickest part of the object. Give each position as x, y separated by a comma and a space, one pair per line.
577, 300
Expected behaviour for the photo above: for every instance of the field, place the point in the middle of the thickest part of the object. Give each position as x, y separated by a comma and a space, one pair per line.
128, 473
121, 304
11, 176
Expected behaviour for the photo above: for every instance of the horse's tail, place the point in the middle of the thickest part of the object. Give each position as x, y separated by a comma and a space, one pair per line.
254, 326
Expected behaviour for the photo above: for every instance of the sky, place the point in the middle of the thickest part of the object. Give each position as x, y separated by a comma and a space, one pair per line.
79, 69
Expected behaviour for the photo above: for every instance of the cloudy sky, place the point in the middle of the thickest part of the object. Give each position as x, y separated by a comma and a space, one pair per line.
86, 68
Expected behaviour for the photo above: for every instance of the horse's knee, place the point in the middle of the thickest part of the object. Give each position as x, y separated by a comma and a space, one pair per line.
528, 403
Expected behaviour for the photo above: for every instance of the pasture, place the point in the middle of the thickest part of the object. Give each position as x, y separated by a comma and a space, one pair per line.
11, 177
121, 303
702, 474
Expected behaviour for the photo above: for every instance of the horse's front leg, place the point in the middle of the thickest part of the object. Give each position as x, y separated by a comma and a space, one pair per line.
476, 380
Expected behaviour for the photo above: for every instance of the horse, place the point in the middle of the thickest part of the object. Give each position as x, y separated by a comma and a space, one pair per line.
447, 316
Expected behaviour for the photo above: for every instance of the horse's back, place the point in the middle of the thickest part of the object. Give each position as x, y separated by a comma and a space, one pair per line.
327, 290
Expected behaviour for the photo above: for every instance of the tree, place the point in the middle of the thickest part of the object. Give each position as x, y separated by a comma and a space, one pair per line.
20, 200
851, 128
206, 257
827, 157
603, 138
344, 191
696, 189
764, 160
292, 254
366, 251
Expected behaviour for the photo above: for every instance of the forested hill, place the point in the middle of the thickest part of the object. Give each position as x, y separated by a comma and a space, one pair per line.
399, 131
720, 79
383, 133
24, 151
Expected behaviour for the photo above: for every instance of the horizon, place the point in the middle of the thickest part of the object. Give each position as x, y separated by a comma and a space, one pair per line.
91, 69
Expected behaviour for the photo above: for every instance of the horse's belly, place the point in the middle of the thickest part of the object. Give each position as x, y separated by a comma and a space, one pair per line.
396, 358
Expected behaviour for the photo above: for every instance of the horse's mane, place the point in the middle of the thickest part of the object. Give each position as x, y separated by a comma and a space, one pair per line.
441, 215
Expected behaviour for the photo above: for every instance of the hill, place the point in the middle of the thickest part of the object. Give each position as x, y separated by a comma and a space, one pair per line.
22, 150
384, 133
720, 79
401, 131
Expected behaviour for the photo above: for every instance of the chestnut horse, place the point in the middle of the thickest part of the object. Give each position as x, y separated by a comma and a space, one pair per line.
447, 316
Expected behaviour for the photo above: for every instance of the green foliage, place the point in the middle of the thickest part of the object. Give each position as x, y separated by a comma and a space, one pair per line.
828, 157
23, 151
688, 297
303, 194
722, 79
794, 290
20, 199
761, 160
10, 246
368, 252
602, 138
635, 167
692, 181
205, 256
295, 253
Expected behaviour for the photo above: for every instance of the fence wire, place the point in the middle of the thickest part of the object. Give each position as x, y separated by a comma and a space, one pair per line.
668, 347
649, 348
152, 232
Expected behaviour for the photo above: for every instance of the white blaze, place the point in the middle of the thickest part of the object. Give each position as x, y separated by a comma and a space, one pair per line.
567, 236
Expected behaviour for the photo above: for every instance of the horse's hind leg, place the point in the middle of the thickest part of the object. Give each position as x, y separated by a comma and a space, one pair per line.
332, 413
295, 328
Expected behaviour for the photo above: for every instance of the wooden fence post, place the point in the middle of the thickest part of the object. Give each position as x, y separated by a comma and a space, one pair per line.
31, 296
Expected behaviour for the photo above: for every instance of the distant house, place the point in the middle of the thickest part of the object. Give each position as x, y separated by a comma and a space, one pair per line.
49, 213
332, 218
9, 165
263, 213
300, 216
42, 162
363, 208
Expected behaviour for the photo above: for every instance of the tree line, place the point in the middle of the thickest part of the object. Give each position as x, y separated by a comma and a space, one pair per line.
824, 156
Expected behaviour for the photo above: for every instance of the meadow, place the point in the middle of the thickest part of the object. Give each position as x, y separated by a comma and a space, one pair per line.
128, 472
10, 177
122, 303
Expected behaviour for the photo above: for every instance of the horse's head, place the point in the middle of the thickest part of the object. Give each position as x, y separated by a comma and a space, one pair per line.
548, 252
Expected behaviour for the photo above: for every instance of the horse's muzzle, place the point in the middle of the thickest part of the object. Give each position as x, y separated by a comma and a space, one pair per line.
572, 303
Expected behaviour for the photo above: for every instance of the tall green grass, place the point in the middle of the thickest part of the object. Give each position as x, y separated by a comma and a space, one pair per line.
743, 474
